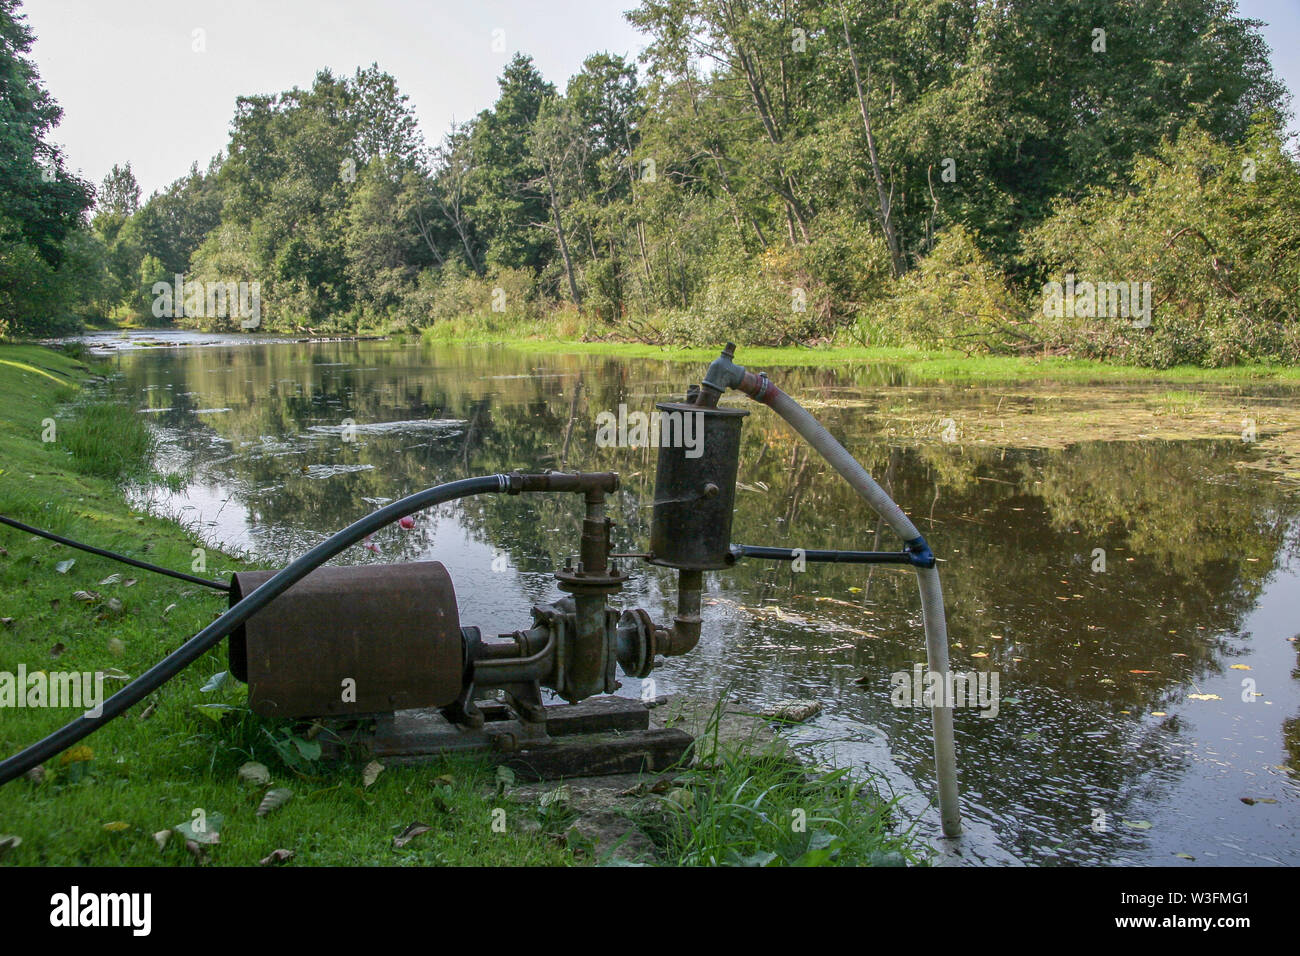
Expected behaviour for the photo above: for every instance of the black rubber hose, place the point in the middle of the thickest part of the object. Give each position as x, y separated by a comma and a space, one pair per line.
196, 646
113, 555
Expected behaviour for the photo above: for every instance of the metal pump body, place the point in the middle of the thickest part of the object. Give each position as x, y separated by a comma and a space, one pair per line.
361, 641
374, 640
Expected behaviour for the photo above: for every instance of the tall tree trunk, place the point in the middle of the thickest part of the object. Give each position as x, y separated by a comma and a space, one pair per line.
422, 226
754, 79
897, 261
564, 244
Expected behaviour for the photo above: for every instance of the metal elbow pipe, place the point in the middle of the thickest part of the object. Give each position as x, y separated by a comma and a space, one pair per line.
682, 637
724, 373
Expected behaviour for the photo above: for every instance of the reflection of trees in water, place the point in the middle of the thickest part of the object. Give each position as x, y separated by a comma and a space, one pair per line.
1016, 529
1003, 518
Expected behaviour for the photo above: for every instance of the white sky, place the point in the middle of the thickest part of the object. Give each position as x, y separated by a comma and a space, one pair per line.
132, 87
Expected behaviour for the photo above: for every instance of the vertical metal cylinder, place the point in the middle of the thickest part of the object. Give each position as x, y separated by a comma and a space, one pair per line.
695, 486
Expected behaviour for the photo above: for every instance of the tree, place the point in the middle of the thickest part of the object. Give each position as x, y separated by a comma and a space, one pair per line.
451, 189
120, 193
509, 204
41, 204
559, 146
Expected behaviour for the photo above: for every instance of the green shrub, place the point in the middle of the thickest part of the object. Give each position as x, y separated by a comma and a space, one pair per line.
1215, 229
954, 298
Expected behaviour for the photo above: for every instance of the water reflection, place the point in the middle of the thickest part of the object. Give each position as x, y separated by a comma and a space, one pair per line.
1123, 590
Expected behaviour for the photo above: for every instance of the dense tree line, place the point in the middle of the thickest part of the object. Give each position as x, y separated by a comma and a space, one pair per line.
880, 171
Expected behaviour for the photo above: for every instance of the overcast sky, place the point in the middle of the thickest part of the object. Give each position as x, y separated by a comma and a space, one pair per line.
132, 86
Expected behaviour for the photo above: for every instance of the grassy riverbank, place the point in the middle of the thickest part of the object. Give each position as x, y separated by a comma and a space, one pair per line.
176, 757
563, 334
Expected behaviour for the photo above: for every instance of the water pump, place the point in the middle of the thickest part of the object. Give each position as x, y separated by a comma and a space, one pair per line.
377, 659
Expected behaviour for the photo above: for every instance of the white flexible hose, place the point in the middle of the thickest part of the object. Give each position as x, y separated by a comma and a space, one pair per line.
802, 421
936, 627
936, 654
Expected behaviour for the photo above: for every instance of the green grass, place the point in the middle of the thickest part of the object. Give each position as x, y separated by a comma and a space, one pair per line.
745, 804
109, 441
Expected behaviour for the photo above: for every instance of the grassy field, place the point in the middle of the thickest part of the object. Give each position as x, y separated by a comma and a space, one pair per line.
126, 793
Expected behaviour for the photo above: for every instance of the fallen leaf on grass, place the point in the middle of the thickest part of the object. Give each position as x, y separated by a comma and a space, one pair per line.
78, 754
214, 682
371, 773
7, 621
63, 567
254, 773
412, 831
161, 838
111, 579
273, 800
86, 597
276, 856
214, 712
8, 842
661, 785
205, 829
168, 609
682, 797
117, 826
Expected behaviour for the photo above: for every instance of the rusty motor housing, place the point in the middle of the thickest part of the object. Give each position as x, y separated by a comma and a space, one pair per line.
351, 640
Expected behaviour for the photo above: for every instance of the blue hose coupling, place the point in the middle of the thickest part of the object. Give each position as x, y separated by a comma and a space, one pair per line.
922, 556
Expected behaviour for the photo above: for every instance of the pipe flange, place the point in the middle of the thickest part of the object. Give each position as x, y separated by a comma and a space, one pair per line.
642, 664
579, 582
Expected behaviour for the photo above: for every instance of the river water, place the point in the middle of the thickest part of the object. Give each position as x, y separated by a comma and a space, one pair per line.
1135, 590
